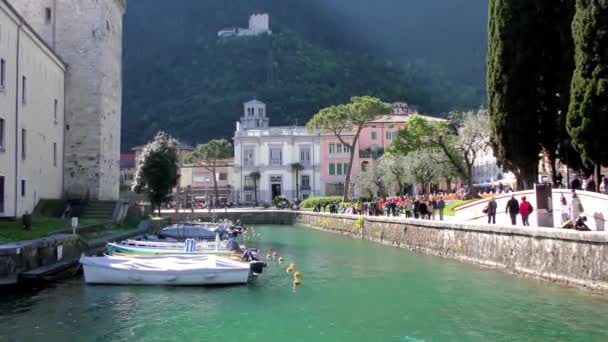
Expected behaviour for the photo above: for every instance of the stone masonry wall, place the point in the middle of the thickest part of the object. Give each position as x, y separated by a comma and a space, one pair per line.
87, 34
564, 256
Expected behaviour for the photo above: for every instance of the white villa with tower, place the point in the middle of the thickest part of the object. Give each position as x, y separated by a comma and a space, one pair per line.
259, 147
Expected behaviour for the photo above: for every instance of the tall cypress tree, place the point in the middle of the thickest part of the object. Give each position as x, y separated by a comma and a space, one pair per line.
529, 71
512, 68
588, 113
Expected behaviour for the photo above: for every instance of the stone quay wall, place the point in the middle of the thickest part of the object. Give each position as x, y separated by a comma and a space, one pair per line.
563, 256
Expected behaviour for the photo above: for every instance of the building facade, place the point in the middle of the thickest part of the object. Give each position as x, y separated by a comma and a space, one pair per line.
32, 83
372, 142
271, 152
198, 181
258, 24
87, 35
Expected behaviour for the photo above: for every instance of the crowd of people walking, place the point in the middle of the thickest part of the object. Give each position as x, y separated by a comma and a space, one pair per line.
429, 208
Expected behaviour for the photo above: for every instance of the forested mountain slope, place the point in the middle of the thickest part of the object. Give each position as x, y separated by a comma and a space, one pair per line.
178, 76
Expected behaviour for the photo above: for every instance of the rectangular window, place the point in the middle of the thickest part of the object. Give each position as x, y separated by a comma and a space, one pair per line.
23, 191
374, 135
2, 73
332, 169
1, 194
222, 176
23, 90
201, 178
339, 169
1, 135
48, 15
55, 114
346, 149
305, 157
332, 148
248, 181
305, 181
276, 157
390, 135
248, 157
23, 143
338, 148
55, 154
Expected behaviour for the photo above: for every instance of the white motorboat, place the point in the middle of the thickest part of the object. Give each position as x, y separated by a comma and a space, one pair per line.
112, 248
165, 270
200, 245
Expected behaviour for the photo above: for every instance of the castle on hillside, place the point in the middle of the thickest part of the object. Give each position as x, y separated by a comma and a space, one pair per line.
258, 24
61, 72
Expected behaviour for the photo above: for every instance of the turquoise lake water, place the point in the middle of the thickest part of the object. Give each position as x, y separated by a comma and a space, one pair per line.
351, 291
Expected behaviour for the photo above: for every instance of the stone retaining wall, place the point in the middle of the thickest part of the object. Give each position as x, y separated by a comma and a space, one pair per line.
564, 256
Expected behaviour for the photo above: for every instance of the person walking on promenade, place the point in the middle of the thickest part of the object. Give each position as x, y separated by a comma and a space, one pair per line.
564, 210
575, 184
576, 207
431, 210
416, 208
422, 210
525, 209
513, 209
441, 207
590, 184
604, 186
559, 179
491, 211
408, 208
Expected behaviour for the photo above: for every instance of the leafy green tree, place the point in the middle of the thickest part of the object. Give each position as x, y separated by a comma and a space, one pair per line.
395, 172
529, 69
371, 180
157, 170
209, 155
346, 121
296, 168
423, 170
255, 177
436, 139
588, 114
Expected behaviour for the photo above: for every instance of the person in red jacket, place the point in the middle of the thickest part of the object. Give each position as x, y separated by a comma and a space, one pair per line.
525, 209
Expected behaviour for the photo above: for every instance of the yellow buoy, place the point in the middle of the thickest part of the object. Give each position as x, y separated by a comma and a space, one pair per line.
297, 278
291, 268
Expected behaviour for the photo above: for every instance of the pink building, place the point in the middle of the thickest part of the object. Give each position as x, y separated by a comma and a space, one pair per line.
198, 181
373, 140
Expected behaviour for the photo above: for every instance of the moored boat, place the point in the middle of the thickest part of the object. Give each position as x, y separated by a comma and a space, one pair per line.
176, 244
111, 248
166, 270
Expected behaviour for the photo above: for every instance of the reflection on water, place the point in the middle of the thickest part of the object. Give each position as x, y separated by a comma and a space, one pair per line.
351, 290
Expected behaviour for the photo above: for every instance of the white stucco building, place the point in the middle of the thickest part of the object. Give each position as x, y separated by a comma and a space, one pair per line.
259, 147
258, 24
32, 79
60, 101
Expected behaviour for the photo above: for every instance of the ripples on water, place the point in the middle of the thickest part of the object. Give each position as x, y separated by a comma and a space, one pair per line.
352, 291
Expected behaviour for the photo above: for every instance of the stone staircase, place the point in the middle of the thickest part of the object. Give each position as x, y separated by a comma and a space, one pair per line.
99, 210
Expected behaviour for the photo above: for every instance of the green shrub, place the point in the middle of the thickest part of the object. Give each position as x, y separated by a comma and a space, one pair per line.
363, 198
265, 205
312, 202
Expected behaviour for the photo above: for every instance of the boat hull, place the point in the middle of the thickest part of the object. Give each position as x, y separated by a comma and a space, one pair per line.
112, 248
95, 273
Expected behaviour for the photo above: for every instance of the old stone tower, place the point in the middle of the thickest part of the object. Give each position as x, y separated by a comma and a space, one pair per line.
87, 34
